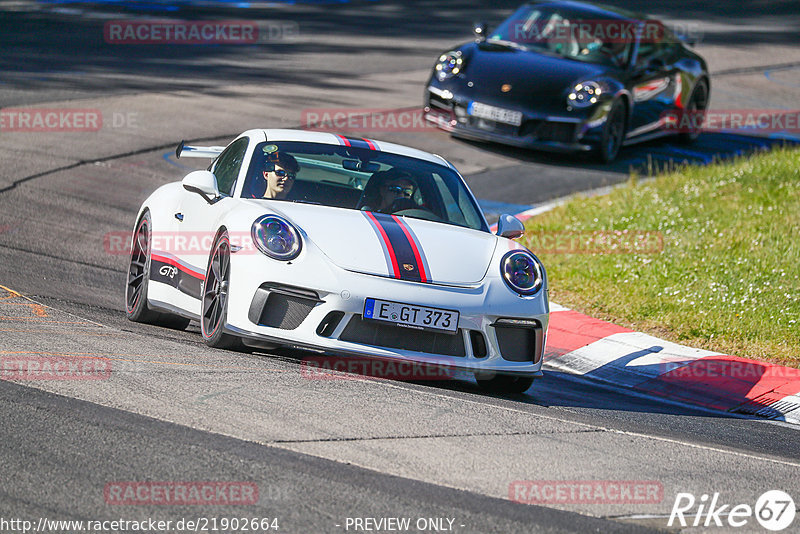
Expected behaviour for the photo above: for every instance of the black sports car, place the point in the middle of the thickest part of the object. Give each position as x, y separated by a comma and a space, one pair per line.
568, 76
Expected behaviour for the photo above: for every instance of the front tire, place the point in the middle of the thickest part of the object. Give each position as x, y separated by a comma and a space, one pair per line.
505, 383
214, 311
613, 133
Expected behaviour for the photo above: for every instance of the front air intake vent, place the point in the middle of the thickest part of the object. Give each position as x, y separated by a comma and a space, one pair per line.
329, 323
520, 340
284, 307
390, 336
478, 343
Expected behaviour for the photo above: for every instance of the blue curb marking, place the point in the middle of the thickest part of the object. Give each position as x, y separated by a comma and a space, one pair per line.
168, 158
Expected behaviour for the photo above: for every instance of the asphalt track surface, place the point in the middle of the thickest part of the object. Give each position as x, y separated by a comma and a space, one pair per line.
320, 451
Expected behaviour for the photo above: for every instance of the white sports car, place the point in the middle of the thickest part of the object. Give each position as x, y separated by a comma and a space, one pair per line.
340, 245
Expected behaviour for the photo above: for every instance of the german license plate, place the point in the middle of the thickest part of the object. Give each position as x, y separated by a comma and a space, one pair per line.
485, 111
411, 316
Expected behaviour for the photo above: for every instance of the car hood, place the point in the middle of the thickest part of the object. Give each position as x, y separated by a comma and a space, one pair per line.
352, 240
536, 79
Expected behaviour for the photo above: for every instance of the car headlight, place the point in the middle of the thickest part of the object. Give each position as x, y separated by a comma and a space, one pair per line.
276, 237
584, 95
522, 272
449, 65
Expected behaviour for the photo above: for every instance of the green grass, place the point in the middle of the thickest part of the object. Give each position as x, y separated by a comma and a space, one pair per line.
728, 277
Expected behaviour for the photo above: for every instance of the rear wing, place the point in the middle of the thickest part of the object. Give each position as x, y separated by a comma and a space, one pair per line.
187, 151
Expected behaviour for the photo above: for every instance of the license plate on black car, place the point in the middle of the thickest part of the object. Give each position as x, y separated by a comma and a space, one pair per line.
493, 113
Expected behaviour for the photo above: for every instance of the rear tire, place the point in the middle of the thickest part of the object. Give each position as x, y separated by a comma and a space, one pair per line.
139, 274
136, 307
505, 383
698, 103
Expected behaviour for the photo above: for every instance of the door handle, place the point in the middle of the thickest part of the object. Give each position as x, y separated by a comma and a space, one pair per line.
179, 216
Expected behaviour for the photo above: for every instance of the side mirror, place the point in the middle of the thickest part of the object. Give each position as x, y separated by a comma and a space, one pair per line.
510, 227
203, 183
479, 29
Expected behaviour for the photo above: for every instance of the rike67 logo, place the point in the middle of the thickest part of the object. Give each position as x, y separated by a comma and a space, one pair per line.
774, 510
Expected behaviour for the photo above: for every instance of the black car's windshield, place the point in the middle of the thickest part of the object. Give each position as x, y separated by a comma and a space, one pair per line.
364, 179
570, 34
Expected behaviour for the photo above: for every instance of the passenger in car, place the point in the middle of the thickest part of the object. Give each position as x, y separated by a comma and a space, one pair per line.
279, 172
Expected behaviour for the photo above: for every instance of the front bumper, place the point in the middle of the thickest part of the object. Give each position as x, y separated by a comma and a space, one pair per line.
498, 331
554, 133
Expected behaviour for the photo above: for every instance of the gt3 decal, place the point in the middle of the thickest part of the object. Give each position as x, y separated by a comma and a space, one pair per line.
168, 269
357, 142
405, 259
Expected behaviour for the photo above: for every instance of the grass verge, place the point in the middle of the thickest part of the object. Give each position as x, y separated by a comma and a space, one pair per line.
705, 256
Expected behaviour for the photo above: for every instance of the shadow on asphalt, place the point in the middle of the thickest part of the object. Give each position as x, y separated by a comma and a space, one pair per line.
650, 158
65, 47
555, 389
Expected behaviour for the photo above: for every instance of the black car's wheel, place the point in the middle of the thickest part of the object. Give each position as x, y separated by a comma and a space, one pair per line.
215, 296
695, 109
136, 307
613, 132
505, 383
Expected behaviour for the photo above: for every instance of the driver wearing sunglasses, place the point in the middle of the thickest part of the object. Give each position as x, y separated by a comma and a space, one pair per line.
279, 173
394, 192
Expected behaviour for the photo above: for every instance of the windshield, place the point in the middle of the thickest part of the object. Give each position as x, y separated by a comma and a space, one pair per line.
570, 34
363, 179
